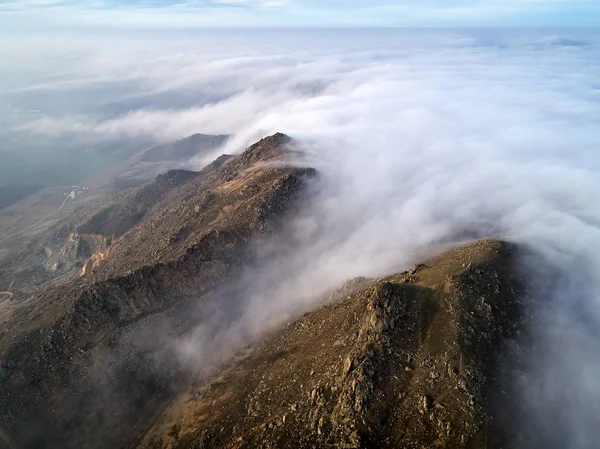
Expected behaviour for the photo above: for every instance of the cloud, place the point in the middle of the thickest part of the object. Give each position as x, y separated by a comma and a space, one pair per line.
421, 138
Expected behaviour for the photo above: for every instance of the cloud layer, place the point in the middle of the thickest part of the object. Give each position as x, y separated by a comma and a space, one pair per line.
421, 139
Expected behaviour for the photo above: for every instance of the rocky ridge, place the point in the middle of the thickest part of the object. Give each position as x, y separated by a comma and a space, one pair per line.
168, 244
409, 360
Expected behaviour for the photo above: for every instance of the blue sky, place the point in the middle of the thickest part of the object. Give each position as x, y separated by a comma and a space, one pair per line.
29, 15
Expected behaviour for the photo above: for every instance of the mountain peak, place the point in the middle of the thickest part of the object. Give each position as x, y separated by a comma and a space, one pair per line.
399, 361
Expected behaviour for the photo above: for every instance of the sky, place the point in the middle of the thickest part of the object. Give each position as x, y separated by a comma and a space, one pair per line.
421, 137
40, 16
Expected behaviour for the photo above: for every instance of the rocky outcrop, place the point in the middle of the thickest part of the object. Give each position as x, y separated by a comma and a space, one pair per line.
404, 361
168, 244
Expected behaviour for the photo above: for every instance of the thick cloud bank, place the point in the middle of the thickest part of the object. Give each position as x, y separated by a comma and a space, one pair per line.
421, 138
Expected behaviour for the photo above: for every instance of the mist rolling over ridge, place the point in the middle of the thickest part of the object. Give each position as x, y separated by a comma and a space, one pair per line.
421, 140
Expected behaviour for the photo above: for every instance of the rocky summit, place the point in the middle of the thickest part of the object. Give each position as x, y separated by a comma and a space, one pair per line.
410, 360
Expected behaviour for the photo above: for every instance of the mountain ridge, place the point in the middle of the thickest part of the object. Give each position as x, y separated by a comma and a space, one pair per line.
402, 361
124, 287
93, 359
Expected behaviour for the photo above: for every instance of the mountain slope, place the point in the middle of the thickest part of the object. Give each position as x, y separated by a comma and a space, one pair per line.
145, 165
406, 361
183, 149
179, 238
108, 356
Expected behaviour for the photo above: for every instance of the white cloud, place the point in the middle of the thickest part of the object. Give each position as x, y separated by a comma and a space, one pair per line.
419, 139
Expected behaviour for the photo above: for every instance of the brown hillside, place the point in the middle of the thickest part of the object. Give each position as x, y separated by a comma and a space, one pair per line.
168, 244
404, 361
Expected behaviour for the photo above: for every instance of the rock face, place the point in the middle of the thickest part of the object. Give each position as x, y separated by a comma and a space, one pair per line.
410, 360
405, 361
167, 245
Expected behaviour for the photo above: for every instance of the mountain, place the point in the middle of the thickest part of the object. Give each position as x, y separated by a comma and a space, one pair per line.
183, 149
409, 360
27, 212
146, 164
98, 354
151, 254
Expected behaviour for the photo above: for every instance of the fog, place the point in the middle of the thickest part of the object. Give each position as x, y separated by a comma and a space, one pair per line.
420, 138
